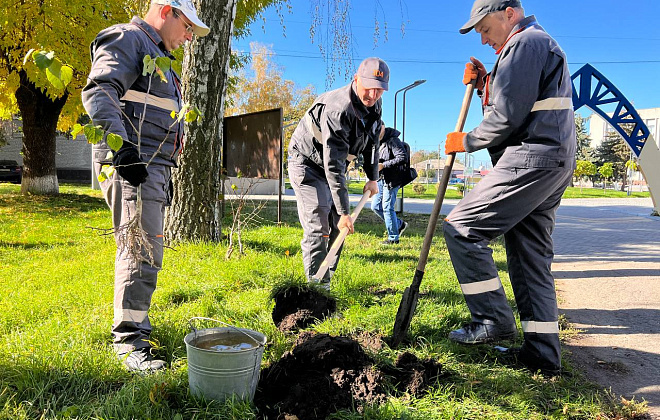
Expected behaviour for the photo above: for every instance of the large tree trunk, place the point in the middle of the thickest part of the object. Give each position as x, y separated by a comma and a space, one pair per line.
40, 115
195, 211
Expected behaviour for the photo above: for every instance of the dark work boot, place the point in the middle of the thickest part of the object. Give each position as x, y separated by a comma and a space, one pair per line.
478, 333
519, 357
141, 360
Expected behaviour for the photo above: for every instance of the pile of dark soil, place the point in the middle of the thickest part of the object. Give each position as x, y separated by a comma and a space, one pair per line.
323, 374
298, 307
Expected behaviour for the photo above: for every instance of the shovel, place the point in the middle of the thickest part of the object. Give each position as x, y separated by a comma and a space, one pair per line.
411, 294
325, 265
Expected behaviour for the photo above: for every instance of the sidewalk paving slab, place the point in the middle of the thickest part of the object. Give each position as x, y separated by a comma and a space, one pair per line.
607, 270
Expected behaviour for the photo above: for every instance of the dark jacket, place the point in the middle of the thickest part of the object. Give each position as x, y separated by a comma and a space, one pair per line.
336, 129
392, 155
117, 63
517, 129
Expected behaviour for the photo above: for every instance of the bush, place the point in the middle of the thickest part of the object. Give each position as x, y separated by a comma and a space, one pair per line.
419, 188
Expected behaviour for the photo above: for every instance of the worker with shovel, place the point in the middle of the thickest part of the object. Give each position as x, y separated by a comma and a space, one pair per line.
339, 126
529, 130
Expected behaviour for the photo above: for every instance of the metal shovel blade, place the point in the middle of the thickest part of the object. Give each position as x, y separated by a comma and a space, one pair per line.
409, 300
406, 309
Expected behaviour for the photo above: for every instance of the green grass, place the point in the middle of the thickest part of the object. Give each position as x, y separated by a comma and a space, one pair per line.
56, 282
576, 192
431, 190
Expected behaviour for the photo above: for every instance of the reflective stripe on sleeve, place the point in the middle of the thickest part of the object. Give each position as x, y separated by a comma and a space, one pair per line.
129, 315
540, 327
553, 104
481, 286
146, 98
313, 128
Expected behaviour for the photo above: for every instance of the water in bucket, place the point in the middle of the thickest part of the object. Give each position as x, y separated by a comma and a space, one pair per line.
224, 362
225, 342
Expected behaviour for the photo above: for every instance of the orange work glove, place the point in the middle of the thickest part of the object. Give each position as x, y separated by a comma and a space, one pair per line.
474, 70
471, 73
454, 143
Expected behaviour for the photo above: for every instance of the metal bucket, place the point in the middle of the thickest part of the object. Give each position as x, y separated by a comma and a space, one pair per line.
224, 362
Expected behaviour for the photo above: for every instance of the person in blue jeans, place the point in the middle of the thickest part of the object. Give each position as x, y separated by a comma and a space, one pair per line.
391, 154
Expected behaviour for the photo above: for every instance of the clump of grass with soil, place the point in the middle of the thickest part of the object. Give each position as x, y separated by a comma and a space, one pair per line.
56, 362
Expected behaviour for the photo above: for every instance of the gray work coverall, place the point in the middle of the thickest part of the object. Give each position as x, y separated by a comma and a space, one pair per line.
529, 130
115, 98
335, 130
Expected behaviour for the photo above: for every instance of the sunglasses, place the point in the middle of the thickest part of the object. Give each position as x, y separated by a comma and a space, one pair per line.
189, 28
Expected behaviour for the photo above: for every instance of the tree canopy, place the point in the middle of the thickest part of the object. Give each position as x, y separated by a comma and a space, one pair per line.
616, 151
584, 150
584, 168
263, 87
66, 27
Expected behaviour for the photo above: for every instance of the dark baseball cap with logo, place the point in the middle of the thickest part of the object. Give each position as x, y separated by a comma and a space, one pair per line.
374, 73
481, 8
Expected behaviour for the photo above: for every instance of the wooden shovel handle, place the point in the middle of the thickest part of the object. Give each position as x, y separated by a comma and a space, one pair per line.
325, 265
411, 294
444, 181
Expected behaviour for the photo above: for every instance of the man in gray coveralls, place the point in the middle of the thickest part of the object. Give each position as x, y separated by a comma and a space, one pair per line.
339, 126
529, 130
115, 98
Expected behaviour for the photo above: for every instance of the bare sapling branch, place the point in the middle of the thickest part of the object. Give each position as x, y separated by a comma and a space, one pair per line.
245, 213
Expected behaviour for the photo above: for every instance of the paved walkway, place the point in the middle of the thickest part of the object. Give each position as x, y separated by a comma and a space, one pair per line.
607, 267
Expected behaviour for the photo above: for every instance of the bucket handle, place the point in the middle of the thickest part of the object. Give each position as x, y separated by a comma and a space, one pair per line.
223, 323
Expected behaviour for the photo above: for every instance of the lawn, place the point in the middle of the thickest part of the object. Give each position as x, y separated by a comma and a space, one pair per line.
56, 278
577, 192
430, 191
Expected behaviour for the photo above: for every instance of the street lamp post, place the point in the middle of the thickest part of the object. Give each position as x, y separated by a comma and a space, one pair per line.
404, 90
467, 173
403, 129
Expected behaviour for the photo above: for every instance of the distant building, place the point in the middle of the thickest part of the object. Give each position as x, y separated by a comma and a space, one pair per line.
598, 127
73, 159
438, 165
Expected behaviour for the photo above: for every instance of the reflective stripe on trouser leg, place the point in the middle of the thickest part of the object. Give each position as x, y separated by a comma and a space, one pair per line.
129, 315
317, 216
479, 287
477, 276
135, 281
539, 327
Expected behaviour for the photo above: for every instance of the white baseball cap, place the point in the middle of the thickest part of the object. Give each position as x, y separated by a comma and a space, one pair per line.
187, 8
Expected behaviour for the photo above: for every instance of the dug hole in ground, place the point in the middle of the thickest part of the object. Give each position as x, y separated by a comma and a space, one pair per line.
323, 374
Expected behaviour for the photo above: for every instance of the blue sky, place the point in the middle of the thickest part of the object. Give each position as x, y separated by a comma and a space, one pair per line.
621, 40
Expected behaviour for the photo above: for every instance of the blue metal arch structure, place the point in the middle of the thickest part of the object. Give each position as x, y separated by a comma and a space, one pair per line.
592, 89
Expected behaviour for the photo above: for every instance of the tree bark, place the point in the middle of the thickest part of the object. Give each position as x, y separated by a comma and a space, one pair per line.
195, 210
40, 115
